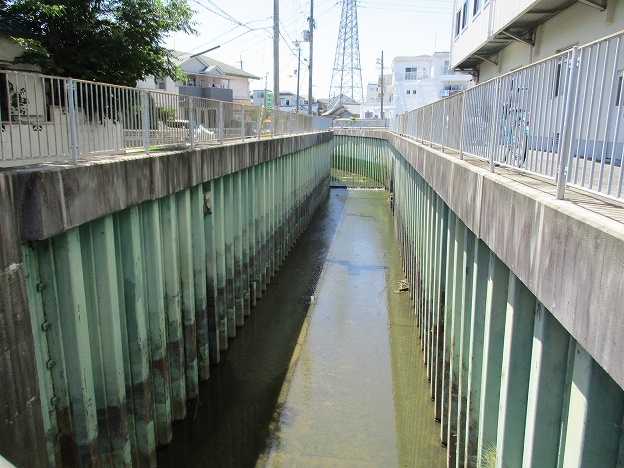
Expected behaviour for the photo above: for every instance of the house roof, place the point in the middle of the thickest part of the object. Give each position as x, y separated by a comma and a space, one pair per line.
210, 64
214, 70
337, 102
15, 27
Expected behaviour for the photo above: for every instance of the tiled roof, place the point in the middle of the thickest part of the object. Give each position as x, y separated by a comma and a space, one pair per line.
209, 62
12, 26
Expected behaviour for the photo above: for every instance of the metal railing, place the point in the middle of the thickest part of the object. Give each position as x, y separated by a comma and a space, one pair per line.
562, 115
46, 118
342, 123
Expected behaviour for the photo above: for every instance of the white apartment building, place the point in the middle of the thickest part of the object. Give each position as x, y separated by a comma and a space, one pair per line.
492, 37
415, 81
370, 108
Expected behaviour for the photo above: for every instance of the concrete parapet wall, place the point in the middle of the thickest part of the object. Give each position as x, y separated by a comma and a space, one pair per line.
53, 199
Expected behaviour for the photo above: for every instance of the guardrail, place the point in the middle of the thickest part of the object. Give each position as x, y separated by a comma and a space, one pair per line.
562, 115
47, 118
344, 123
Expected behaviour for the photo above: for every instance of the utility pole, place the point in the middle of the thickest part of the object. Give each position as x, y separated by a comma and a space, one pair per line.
311, 26
276, 97
240, 61
298, 73
382, 85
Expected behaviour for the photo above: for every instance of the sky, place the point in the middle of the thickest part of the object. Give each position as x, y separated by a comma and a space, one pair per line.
244, 31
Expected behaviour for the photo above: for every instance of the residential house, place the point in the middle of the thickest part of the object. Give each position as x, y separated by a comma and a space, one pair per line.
258, 97
14, 87
288, 100
208, 78
342, 107
10, 49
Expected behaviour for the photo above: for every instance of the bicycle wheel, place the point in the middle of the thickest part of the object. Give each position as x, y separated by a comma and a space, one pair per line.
518, 144
506, 138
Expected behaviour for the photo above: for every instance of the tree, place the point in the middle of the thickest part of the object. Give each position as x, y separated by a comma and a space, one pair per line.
111, 41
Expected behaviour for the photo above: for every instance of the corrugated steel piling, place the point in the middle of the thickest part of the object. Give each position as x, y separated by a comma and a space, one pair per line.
129, 310
510, 385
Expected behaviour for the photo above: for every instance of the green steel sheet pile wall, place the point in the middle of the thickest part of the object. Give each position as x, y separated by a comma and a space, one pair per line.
511, 387
368, 157
128, 311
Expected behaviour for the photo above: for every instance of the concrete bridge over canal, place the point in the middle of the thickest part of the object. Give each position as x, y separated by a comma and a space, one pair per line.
122, 280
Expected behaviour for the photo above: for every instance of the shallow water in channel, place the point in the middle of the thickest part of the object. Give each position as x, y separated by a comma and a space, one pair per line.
339, 382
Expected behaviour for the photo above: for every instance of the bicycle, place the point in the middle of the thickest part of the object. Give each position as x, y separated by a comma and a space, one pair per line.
515, 135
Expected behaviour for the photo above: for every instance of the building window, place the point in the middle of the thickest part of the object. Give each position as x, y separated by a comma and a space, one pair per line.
561, 76
413, 91
476, 7
458, 16
618, 95
408, 91
465, 15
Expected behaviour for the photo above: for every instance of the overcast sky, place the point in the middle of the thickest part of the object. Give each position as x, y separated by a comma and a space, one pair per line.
244, 30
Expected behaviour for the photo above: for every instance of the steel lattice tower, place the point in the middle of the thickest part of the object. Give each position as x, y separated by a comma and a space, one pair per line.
347, 72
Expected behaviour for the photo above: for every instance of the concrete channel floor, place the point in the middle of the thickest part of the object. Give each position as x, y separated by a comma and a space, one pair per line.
338, 383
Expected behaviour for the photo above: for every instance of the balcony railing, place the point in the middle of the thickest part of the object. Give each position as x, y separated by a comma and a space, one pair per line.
47, 118
560, 118
360, 123
411, 76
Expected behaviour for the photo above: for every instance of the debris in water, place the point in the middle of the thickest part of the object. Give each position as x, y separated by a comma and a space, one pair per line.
308, 299
403, 286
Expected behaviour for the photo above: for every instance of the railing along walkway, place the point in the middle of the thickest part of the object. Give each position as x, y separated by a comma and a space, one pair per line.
561, 115
48, 118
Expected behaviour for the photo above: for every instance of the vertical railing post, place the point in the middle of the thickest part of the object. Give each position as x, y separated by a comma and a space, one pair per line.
145, 120
495, 123
445, 122
432, 108
566, 132
220, 118
461, 126
243, 122
191, 123
273, 115
70, 90
259, 119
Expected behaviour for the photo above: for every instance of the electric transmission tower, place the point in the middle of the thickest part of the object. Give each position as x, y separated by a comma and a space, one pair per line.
347, 72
